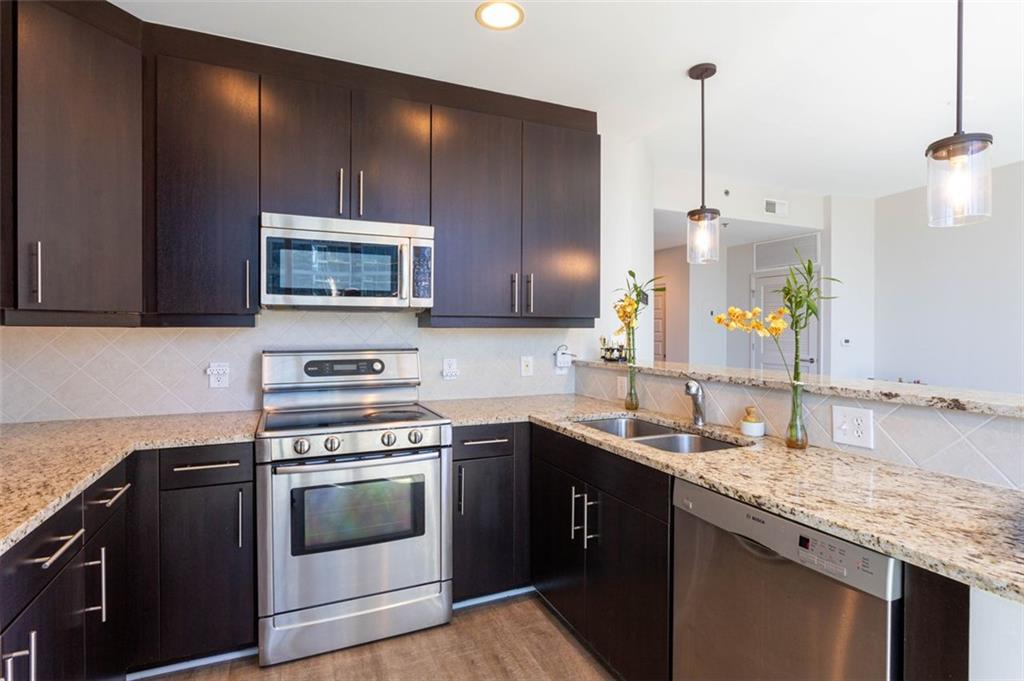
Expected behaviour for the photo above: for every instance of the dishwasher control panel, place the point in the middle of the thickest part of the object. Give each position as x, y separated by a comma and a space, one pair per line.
854, 565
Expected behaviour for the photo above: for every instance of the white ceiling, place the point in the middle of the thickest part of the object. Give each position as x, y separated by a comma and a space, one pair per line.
670, 230
827, 97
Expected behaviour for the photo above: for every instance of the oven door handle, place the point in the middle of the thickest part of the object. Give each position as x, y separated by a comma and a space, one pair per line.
289, 469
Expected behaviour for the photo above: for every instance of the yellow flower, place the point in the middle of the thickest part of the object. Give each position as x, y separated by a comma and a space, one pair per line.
756, 312
775, 331
781, 312
779, 324
720, 319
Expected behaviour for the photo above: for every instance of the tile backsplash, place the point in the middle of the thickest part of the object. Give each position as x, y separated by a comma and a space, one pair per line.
985, 448
67, 373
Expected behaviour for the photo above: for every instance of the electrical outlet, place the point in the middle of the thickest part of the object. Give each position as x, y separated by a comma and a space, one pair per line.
526, 365
449, 369
853, 426
620, 387
218, 372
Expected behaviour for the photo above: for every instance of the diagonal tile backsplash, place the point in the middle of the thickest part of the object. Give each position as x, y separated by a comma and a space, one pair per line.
985, 448
66, 373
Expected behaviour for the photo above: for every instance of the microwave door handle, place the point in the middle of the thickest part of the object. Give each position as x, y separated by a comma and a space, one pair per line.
289, 469
403, 272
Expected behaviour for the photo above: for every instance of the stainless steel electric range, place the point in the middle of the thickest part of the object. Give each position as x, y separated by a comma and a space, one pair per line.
353, 502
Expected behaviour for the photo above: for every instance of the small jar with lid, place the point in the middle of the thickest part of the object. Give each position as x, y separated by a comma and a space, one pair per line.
752, 424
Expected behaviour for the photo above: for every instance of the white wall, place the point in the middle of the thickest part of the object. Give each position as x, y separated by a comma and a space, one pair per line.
740, 267
708, 297
671, 264
950, 302
848, 254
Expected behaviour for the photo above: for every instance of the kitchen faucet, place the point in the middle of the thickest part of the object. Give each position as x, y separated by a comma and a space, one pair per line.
696, 392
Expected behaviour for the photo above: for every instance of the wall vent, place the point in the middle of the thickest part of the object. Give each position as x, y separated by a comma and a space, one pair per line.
776, 207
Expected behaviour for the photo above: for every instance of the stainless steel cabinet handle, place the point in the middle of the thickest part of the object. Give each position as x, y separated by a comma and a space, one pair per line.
69, 540
403, 270
462, 490
108, 503
239, 518
206, 466
360, 193
529, 292
572, 513
515, 292
248, 293
586, 521
492, 441
102, 563
298, 468
29, 652
341, 191
39, 271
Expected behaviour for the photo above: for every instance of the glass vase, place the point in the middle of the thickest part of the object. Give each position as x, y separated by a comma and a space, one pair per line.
632, 399
796, 433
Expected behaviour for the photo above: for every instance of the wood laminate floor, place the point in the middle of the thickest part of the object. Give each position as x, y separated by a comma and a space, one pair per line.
512, 639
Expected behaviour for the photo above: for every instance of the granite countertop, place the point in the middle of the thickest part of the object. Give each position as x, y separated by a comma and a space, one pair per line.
43, 465
959, 399
971, 532
968, 531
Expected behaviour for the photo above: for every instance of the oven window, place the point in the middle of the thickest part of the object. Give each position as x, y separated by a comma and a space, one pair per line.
346, 515
307, 267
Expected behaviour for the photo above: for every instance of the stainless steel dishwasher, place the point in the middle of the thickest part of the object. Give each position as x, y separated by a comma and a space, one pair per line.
760, 597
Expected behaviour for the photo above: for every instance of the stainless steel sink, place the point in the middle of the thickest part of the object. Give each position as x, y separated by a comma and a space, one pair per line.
629, 427
684, 443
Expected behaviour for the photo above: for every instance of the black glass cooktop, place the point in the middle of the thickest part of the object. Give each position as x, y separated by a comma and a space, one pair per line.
318, 419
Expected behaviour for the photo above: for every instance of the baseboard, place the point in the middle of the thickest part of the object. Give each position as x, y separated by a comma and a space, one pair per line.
511, 593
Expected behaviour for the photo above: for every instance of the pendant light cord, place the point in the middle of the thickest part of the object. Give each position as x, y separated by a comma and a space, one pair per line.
959, 67
702, 141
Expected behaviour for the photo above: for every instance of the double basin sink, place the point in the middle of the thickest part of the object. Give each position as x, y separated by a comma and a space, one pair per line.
655, 435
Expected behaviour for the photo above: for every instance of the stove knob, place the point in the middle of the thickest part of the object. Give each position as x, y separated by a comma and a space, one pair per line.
415, 437
332, 444
388, 439
301, 446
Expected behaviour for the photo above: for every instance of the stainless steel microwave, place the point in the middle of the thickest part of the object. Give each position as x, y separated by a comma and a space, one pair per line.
330, 262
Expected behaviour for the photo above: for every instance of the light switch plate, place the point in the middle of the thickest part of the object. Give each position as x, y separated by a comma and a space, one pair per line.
449, 369
526, 365
853, 426
219, 373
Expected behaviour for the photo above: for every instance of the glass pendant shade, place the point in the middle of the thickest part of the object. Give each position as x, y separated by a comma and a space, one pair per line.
959, 180
702, 227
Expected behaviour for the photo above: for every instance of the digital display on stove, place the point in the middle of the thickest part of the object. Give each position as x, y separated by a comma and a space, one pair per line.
326, 367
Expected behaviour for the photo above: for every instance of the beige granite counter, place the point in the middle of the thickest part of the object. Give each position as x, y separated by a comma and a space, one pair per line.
43, 465
968, 531
958, 399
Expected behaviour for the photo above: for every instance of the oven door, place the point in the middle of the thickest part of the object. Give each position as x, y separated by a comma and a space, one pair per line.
324, 269
346, 529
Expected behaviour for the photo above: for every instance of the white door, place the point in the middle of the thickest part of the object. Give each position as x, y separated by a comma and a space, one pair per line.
763, 353
659, 326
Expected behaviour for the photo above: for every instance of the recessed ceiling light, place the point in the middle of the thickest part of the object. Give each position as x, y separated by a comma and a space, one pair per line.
500, 16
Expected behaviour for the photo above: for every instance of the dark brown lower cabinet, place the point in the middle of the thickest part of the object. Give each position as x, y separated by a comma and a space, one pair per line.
601, 563
105, 562
482, 559
207, 570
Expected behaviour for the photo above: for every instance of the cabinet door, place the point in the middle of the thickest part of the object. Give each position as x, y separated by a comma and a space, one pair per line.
79, 165
207, 565
476, 208
207, 187
561, 221
482, 536
390, 159
106, 615
556, 541
47, 635
628, 595
304, 148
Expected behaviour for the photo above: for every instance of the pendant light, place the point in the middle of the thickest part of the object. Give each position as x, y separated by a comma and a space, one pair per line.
960, 166
702, 223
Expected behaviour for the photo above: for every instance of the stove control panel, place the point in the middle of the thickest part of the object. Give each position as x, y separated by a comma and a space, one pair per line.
353, 442
318, 368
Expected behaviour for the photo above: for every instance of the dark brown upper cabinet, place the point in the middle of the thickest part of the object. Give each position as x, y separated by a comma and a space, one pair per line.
305, 140
78, 165
476, 208
390, 159
207, 188
561, 222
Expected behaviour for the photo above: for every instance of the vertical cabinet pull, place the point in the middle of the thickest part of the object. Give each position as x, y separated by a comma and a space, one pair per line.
341, 191
360, 193
39, 272
515, 292
529, 292
586, 521
239, 518
102, 564
462, 490
572, 513
248, 302
29, 652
